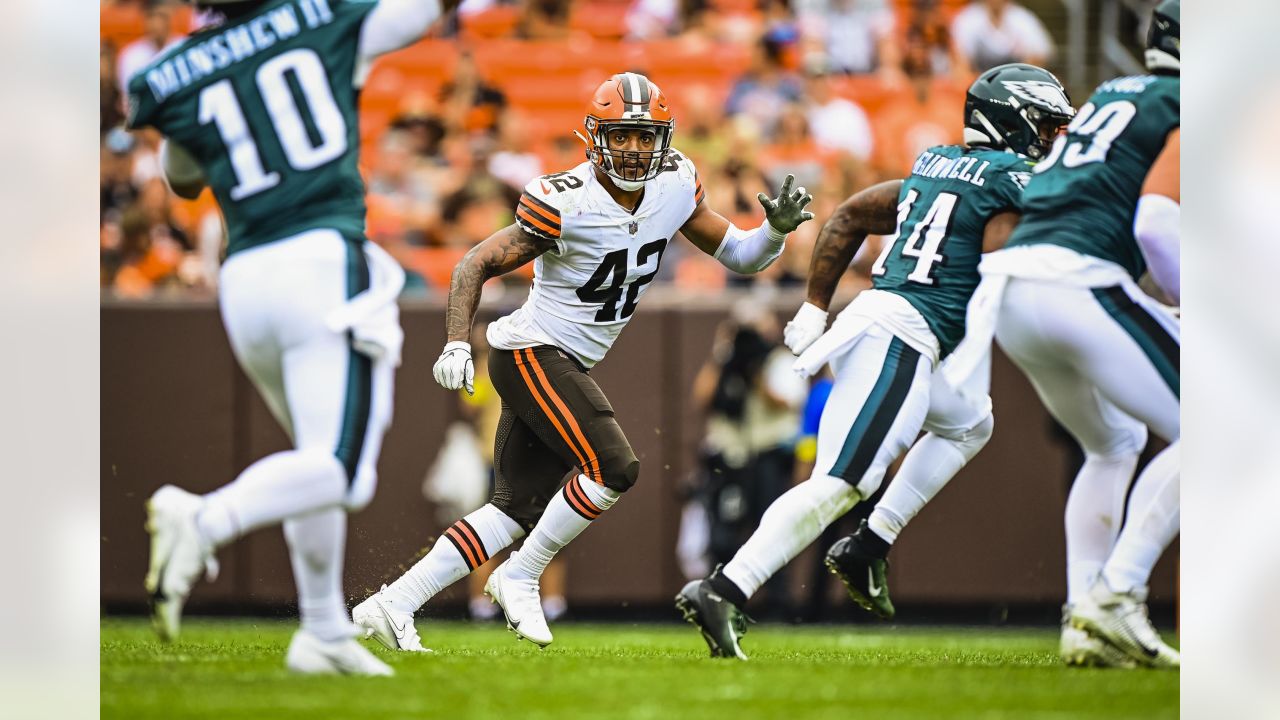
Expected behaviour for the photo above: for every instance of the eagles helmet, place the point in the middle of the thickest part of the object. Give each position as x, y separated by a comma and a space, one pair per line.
1016, 107
1164, 42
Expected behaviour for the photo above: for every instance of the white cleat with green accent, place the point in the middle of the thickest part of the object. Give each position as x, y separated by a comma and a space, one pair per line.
179, 556
1121, 620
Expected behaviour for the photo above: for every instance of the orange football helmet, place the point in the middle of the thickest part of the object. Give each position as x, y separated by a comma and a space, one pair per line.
628, 100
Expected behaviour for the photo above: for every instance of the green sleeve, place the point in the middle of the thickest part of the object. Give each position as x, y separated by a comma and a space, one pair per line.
142, 103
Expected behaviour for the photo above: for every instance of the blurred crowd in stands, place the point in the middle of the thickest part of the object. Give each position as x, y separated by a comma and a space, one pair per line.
841, 93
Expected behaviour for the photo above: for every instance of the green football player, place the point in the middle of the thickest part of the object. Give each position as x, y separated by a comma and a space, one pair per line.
260, 106
1064, 304
886, 346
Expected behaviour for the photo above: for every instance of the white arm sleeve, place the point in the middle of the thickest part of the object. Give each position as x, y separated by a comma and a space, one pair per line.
750, 251
1155, 225
394, 24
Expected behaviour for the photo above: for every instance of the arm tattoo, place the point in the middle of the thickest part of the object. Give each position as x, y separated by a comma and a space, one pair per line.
503, 252
871, 211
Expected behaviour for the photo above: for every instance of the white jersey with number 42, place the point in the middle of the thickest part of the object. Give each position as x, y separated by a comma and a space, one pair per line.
587, 288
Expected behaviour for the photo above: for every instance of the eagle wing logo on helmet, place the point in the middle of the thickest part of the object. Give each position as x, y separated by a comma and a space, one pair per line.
1040, 93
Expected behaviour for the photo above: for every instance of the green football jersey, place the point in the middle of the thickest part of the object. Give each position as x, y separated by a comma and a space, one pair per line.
943, 209
267, 105
1084, 194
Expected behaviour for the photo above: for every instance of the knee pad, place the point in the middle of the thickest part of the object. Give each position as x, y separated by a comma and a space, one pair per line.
1127, 441
525, 514
832, 497
620, 472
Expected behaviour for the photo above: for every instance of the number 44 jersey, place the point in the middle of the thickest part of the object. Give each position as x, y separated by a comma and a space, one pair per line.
586, 289
943, 209
267, 105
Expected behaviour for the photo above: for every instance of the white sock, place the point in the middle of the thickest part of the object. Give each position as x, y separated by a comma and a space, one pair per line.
790, 524
1095, 509
277, 487
316, 545
569, 513
1152, 523
462, 547
926, 469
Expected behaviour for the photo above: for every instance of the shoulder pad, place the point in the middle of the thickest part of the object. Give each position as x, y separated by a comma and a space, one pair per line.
685, 172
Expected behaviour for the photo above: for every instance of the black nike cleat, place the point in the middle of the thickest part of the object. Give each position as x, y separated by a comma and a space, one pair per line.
863, 573
719, 620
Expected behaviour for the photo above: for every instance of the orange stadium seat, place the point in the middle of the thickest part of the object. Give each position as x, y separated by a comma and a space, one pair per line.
496, 22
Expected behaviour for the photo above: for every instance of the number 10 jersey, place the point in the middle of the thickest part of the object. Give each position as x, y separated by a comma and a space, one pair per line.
266, 104
586, 289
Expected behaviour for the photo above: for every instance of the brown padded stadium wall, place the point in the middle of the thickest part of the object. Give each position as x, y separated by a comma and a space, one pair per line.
176, 408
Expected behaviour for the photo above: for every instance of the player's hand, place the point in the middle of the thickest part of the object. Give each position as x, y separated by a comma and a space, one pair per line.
455, 369
786, 212
808, 325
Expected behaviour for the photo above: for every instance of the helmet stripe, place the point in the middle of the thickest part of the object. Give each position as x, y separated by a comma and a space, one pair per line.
632, 84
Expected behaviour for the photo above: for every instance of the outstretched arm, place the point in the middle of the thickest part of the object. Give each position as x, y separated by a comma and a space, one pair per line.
872, 211
749, 251
504, 251
395, 24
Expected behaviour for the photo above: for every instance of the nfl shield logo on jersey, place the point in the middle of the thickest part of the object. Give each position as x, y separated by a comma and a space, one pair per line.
632, 227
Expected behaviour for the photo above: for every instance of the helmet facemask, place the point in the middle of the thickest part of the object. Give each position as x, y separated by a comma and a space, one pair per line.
629, 169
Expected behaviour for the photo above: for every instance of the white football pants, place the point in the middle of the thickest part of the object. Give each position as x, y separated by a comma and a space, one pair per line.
1105, 362
275, 301
885, 392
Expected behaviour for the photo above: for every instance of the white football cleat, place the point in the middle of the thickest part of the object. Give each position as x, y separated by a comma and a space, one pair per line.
310, 655
1121, 619
520, 603
179, 555
1080, 649
380, 619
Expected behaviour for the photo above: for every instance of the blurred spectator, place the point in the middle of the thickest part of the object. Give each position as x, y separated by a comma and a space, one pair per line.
481, 204
927, 115
424, 133
927, 28
838, 124
700, 132
793, 151
753, 400
855, 35
765, 88
468, 102
158, 36
545, 19
110, 105
514, 162
993, 32
652, 19
406, 203
116, 176
153, 251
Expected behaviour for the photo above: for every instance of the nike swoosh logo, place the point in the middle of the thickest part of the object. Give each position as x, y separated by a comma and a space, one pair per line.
872, 589
545, 190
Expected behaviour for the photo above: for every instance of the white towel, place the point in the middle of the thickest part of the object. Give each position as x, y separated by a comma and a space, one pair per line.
1042, 263
373, 317
844, 332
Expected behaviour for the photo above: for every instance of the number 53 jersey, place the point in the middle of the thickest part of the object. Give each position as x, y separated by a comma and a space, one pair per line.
587, 288
267, 105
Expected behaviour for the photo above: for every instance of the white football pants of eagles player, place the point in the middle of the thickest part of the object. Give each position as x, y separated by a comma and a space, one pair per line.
1104, 361
321, 351
885, 392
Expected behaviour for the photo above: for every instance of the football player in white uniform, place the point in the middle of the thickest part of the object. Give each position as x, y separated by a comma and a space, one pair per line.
596, 235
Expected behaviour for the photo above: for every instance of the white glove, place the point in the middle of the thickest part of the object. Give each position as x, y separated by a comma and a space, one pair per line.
455, 369
808, 325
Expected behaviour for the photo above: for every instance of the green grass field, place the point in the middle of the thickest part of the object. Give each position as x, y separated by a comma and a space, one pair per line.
235, 669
